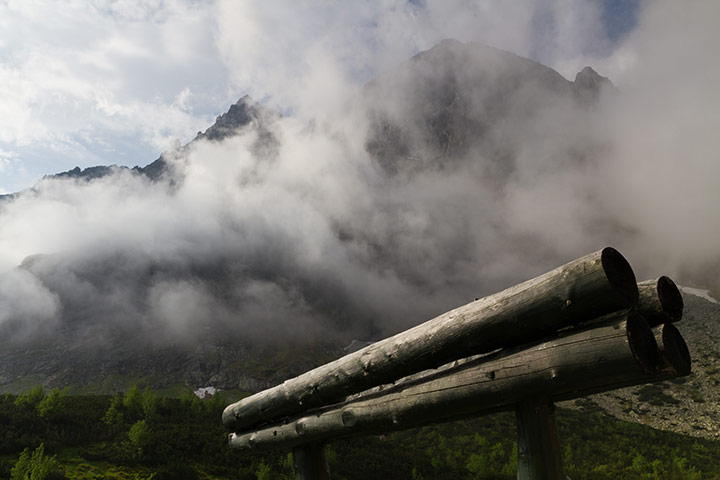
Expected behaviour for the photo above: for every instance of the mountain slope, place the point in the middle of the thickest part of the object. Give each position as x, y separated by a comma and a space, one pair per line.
266, 244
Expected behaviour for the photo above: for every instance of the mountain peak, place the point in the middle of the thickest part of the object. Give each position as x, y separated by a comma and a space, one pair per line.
589, 84
243, 112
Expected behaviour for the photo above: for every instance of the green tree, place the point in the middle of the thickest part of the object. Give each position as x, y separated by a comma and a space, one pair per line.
31, 398
139, 436
133, 402
51, 407
114, 416
149, 402
36, 466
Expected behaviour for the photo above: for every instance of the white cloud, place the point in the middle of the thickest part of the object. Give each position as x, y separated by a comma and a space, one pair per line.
85, 73
77, 71
321, 215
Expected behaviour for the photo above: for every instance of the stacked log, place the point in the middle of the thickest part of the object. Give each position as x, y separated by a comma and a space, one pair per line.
622, 351
594, 285
584, 328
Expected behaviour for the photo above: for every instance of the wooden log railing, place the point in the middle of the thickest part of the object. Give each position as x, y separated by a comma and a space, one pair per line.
580, 329
593, 285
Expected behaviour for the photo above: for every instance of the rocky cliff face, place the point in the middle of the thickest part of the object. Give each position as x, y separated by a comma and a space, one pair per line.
456, 102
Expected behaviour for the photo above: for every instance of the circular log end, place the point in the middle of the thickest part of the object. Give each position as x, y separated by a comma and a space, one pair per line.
676, 350
620, 275
670, 298
642, 342
228, 418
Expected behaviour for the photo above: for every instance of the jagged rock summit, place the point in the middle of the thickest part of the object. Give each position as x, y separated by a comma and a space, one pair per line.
246, 112
457, 103
589, 84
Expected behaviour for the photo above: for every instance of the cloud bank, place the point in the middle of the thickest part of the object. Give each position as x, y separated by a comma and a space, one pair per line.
323, 236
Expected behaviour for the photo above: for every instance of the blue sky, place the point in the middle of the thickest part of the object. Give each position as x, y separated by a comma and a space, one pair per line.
119, 81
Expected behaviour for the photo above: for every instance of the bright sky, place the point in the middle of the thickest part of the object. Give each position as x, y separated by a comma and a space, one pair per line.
98, 82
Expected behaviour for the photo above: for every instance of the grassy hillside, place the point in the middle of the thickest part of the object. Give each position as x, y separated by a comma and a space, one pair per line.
140, 435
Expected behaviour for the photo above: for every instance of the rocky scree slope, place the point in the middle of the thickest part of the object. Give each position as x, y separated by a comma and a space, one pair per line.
689, 405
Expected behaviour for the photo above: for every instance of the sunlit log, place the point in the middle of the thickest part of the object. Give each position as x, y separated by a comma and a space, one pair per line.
591, 286
595, 359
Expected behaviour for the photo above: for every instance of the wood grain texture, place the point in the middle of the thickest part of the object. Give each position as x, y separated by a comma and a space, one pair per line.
601, 357
660, 301
310, 462
673, 360
539, 455
591, 286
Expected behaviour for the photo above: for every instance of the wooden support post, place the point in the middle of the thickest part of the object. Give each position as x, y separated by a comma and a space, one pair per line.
310, 462
539, 456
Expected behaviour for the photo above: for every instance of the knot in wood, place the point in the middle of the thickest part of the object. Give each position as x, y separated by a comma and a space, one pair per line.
349, 419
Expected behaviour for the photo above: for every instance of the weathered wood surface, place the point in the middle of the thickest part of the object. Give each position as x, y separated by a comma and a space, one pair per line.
603, 356
594, 285
660, 301
310, 462
673, 351
673, 360
539, 455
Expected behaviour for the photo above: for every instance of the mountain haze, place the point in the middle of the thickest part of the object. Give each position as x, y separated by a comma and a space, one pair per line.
267, 243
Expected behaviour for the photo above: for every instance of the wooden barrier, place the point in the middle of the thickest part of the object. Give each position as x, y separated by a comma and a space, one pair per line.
622, 351
551, 338
594, 285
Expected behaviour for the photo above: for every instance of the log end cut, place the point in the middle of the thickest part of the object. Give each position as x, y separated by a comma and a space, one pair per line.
620, 274
675, 350
670, 298
642, 342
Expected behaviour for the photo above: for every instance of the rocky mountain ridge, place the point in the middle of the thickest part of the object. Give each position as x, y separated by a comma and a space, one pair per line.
245, 113
465, 111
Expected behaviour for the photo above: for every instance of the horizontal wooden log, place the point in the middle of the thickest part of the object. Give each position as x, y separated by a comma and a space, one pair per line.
673, 361
615, 353
660, 301
594, 285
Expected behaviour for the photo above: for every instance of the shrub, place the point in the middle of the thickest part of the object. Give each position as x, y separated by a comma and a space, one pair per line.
36, 466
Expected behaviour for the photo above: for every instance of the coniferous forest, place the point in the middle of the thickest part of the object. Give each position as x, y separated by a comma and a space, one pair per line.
139, 435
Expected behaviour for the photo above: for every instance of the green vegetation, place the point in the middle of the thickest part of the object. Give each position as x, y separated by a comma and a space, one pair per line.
36, 466
140, 435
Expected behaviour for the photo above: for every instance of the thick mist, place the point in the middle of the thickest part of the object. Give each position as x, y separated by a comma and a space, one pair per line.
450, 176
